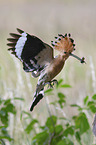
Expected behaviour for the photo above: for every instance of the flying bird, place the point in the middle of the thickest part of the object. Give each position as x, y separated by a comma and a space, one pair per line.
38, 57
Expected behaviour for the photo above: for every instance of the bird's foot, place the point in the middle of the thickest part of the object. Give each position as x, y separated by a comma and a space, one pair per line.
52, 83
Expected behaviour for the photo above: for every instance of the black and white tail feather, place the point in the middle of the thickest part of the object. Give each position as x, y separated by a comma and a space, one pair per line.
37, 98
34, 54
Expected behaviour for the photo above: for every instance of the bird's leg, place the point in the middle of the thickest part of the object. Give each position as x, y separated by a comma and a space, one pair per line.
52, 83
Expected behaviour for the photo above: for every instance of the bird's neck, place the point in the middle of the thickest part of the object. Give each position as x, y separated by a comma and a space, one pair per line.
63, 56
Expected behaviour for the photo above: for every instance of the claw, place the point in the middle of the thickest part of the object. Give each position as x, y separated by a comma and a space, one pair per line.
52, 83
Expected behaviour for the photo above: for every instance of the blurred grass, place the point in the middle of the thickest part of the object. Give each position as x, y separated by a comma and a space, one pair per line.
46, 19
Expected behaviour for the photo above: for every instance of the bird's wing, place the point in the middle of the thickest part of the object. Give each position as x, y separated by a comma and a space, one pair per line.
33, 52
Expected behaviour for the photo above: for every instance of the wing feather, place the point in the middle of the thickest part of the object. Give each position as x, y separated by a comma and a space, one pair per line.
33, 52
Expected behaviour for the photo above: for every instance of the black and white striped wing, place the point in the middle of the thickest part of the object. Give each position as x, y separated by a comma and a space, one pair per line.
33, 52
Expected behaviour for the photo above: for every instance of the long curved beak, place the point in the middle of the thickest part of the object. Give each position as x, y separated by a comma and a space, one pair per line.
82, 60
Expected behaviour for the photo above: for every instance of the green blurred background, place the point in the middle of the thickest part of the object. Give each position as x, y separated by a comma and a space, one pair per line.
45, 19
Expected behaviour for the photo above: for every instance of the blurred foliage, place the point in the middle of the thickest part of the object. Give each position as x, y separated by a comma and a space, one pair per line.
56, 130
62, 16
64, 134
6, 108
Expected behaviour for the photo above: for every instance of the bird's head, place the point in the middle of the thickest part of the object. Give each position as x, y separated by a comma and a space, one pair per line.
65, 44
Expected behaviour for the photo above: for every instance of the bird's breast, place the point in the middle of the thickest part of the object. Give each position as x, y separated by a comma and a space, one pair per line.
54, 68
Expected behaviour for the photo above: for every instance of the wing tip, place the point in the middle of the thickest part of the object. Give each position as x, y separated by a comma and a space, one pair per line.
19, 30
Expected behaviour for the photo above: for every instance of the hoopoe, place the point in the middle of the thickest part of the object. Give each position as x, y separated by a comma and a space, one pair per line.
37, 57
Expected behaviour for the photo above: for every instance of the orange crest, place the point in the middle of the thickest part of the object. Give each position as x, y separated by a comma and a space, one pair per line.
63, 43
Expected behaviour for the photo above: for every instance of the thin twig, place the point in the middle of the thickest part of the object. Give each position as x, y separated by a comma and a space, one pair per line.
25, 131
49, 112
2, 142
52, 135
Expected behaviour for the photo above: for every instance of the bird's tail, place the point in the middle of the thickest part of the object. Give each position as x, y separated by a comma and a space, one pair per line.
37, 98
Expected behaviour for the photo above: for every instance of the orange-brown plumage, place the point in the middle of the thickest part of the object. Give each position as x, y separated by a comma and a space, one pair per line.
64, 43
55, 67
37, 57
